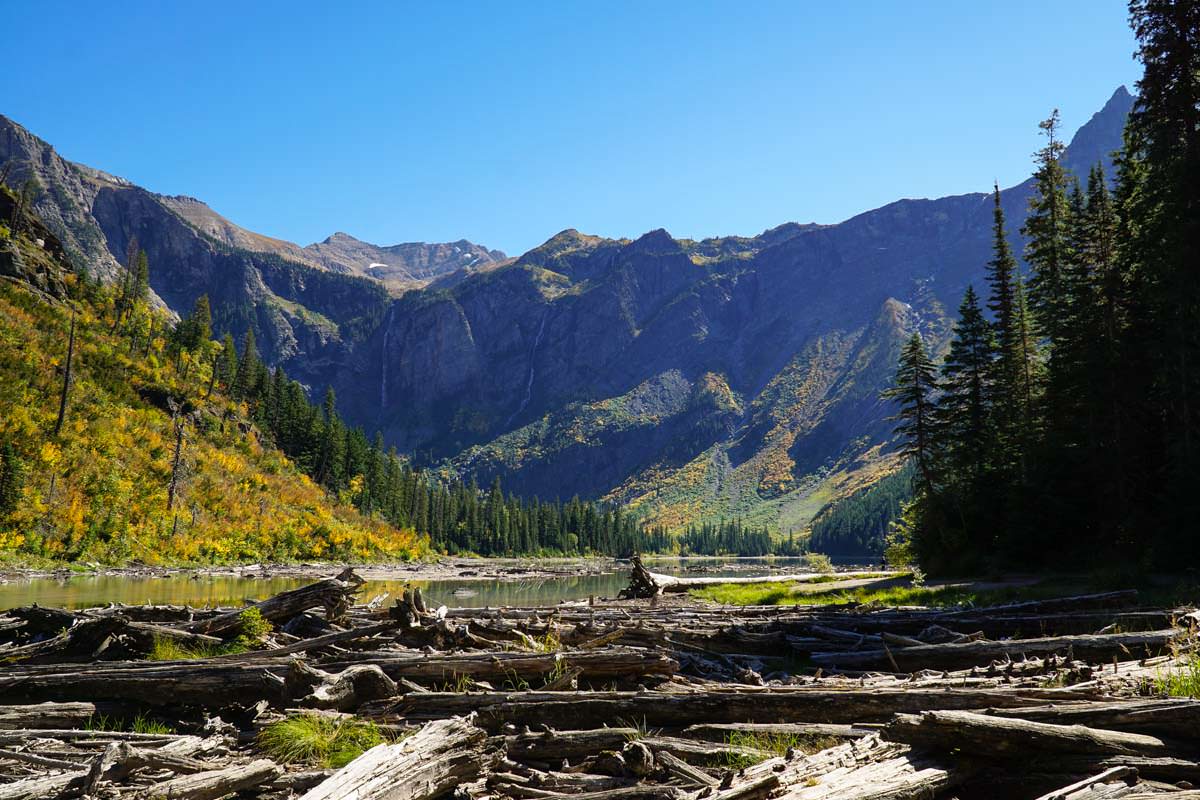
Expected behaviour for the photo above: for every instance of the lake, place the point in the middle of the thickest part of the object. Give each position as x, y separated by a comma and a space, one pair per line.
200, 589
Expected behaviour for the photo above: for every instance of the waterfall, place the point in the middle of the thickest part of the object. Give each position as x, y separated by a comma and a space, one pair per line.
383, 360
537, 340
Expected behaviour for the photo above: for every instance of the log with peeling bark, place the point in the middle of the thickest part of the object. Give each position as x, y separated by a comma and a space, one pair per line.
426, 765
999, 737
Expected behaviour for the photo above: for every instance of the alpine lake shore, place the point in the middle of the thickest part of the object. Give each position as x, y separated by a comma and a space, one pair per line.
713, 682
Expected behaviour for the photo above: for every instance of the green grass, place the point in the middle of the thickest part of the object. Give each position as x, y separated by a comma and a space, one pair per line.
320, 740
165, 649
777, 744
139, 724
792, 593
252, 628
1183, 681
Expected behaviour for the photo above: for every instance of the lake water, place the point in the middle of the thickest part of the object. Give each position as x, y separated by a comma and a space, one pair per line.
230, 590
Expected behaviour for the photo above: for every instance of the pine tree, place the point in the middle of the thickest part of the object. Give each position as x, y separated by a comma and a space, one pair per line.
228, 363
1047, 228
964, 411
244, 387
916, 382
1015, 374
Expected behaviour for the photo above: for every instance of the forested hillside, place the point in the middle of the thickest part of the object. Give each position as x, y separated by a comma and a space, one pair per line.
1063, 427
125, 436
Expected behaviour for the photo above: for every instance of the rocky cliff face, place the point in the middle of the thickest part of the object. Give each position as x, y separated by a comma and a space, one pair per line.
737, 376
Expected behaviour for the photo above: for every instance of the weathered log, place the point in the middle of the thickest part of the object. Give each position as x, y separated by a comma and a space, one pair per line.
350, 688
715, 732
1174, 717
901, 778
1126, 775
607, 664
684, 772
1005, 737
1162, 768
217, 682
425, 765
332, 594
305, 645
707, 754
956, 655
45, 715
39, 787
214, 783
678, 710
552, 746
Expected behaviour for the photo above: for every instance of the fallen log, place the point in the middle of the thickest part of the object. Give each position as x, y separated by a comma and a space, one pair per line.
715, 732
45, 715
967, 654
553, 747
1127, 776
219, 681
426, 765
1174, 717
334, 595
678, 710
1001, 737
214, 783
904, 777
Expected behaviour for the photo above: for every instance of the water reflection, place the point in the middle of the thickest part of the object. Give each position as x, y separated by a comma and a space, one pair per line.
226, 590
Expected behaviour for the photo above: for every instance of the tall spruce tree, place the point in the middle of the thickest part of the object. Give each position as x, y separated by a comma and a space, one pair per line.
916, 383
245, 382
1047, 229
964, 411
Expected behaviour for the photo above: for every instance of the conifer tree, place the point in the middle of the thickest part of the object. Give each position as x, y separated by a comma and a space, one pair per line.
1047, 228
964, 411
244, 386
228, 363
916, 382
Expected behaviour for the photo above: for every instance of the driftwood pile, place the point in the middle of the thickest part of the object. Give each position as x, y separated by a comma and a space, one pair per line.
607, 700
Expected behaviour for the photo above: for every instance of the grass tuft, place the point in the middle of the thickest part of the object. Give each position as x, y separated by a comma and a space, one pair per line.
139, 724
1181, 682
319, 739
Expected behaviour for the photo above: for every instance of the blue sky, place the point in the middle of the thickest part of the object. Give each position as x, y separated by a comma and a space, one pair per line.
505, 122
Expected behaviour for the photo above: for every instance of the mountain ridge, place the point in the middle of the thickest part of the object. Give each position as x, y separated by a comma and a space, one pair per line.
686, 379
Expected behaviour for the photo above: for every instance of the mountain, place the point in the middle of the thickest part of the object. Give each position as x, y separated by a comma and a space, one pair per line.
729, 377
734, 376
307, 306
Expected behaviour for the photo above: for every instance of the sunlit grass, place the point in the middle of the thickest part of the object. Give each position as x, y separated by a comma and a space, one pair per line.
774, 594
778, 743
139, 724
319, 739
1182, 681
